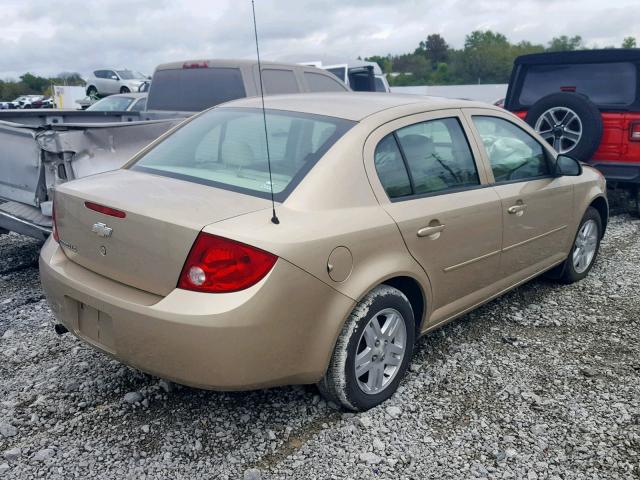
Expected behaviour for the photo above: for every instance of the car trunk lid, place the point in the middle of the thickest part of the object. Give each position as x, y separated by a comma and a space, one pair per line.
162, 216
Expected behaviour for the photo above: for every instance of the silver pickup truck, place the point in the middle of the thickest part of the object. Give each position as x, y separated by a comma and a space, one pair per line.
40, 149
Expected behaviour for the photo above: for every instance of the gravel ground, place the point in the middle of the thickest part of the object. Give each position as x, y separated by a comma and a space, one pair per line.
542, 383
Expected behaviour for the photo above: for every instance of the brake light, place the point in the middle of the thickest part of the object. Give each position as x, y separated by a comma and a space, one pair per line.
106, 210
568, 89
201, 64
54, 227
634, 131
220, 265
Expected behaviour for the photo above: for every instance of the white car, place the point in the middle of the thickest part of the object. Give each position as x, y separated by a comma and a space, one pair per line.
124, 102
110, 81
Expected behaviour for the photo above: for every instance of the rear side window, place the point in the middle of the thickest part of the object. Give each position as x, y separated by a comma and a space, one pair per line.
194, 89
226, 148
514, 154
604, 83
323, 83
390, 168
436, 156
279, 81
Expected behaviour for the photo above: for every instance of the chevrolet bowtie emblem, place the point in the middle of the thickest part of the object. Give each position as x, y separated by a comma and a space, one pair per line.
102, 230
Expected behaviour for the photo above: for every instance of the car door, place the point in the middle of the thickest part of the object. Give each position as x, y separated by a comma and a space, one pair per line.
425, 174
536, 204
111, 82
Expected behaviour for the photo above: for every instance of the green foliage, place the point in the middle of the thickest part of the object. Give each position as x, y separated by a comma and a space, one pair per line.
487, 57
30, 84
629, 42
564, 43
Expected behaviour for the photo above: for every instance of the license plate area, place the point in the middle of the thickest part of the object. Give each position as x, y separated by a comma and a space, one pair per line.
95, 326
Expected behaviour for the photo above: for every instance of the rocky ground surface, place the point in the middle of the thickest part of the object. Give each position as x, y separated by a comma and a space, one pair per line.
542, 383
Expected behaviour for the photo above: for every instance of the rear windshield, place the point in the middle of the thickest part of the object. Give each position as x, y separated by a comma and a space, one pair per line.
610, 84
226, 148
194, 89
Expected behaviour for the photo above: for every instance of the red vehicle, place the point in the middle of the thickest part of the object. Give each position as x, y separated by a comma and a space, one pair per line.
587, 105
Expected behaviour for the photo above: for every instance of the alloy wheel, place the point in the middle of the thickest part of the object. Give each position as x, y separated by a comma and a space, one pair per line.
585, 246
561, 127
381, 350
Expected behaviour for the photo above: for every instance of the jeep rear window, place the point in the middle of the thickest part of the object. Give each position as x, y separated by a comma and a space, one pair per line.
606, 84
194, 89
226, 148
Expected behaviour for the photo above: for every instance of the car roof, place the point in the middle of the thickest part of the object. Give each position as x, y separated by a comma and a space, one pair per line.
350, 105
223, 62
580, 56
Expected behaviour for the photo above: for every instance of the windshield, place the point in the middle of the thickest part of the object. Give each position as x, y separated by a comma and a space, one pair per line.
112, 104
226, 148
130, 75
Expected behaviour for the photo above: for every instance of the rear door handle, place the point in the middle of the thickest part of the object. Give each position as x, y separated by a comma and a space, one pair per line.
428, 231
513, 209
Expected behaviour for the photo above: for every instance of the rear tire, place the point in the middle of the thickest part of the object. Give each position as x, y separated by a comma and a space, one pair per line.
585, 248
124, 90
382, 358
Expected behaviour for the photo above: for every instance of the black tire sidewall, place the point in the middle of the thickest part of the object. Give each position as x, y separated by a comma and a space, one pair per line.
125, 90
585, 109
92, 90
570, 274
356, 397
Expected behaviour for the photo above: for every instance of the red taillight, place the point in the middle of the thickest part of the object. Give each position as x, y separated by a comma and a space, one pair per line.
106, 210
568, 89
54, 228
201, 64
220, 265
634, 131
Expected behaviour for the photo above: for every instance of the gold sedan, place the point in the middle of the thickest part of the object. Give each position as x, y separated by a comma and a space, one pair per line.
393, 215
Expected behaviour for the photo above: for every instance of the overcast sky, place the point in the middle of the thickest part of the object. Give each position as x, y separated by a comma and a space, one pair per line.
50, 36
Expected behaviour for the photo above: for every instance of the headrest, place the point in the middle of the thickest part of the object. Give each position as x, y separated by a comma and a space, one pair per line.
237, 153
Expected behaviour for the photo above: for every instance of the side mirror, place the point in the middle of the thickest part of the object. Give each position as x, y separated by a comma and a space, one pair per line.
114, 77
568, 166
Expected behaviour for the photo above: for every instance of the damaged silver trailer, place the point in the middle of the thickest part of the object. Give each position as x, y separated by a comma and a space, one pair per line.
40, 149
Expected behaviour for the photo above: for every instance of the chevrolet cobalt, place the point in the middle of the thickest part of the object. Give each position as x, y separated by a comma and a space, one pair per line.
393, 215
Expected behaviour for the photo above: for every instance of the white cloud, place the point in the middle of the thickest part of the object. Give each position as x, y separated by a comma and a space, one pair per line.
50, 36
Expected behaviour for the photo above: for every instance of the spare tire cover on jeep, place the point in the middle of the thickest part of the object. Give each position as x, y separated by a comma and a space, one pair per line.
570, 122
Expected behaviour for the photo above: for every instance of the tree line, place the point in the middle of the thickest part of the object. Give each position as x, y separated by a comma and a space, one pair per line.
487, 57
30, 84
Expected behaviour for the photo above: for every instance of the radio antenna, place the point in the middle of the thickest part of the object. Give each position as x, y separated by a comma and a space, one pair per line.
274, 218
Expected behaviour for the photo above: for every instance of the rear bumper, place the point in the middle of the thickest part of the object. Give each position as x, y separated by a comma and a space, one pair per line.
280, 331
618, 171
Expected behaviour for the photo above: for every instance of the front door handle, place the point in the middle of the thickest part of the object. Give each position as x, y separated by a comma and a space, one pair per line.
517, 209
429, 231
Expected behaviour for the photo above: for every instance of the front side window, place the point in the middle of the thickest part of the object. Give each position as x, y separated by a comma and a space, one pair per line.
514, 154
226, 148
323, 83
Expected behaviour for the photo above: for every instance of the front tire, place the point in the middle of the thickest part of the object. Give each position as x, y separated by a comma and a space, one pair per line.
125, 90
92, 91
585, 248
373, 351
